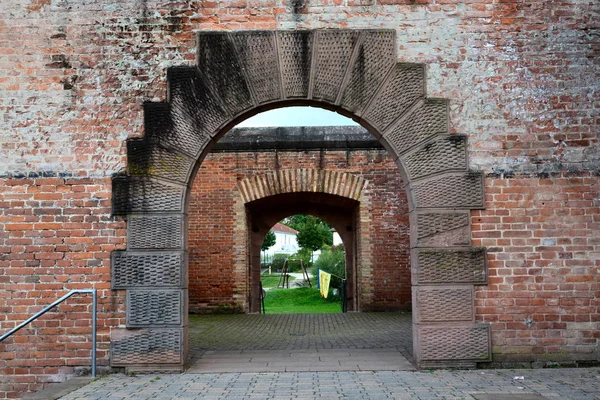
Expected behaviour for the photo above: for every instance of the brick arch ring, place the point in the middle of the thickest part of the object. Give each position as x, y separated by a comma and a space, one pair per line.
352, 72
341, 184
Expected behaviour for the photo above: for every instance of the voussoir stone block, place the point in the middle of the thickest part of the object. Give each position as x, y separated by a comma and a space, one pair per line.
448, 266
147, 346
138, 195
425, 120
257, 52
454, 342
333, 54
403, 87
156, 307
461, 191
196, 113
295, 54
136, 269
144, 158
218, 63
436, 304
155, 232
444, 154
375, 57
442, 229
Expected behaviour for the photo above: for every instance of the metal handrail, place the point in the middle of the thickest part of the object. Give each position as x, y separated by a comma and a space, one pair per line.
57, 302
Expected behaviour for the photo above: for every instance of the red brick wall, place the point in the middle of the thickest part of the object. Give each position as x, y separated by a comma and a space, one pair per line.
521, 76
543, 237
214, 242
56, 235
213, 279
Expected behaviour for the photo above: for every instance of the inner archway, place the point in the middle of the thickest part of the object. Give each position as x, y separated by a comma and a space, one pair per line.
294, 252
339, 212
353, 72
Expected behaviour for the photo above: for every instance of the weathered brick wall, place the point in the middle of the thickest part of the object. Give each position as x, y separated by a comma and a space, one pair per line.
522, 79
56, 235
521, 75
215, 213
543, 241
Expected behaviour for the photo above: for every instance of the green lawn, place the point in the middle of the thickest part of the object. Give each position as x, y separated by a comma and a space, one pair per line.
270, 281
303, 300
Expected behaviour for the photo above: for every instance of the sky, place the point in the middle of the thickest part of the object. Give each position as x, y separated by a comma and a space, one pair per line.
297, 116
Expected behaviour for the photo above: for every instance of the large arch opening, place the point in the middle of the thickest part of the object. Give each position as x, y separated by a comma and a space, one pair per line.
352, 72
348, 201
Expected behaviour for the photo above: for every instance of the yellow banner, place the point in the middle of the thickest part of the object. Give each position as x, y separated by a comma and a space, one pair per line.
324, 279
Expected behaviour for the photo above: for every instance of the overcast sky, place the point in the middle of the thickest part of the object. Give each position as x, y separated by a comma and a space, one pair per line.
297, 116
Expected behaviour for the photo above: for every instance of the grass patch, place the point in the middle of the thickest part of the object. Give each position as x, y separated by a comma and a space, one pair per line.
271, 281
303, 300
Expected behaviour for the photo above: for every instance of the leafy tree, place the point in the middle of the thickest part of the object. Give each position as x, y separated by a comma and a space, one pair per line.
310, 236
314, 234
301, 222
269, 241
296, 221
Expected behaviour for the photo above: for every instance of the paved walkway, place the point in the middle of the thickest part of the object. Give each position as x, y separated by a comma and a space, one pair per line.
300, 342
301, 331
306, 342
301, 360
563, 384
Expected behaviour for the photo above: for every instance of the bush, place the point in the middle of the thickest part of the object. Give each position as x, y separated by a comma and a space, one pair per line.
334, 262
304, 255
277, 261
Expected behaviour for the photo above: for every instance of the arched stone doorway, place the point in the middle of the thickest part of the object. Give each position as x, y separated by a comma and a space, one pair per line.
332, 196
352, 72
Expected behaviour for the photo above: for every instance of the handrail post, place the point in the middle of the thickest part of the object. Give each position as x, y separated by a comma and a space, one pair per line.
94, 309
57, 302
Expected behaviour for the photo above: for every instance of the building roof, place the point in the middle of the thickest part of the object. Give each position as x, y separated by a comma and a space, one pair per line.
283, 228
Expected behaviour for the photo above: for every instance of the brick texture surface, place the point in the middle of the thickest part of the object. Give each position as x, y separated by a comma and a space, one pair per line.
522, 82
543, 295
56, 235
218, 254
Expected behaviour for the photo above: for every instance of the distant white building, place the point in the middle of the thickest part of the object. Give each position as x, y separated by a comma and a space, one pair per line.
336, 237
285, 240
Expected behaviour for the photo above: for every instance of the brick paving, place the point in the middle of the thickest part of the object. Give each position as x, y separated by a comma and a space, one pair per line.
391, 330
215, 339
300, 342
568, 383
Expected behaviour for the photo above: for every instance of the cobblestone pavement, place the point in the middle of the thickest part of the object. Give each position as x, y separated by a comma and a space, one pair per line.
309, 335
391, 330
568, 383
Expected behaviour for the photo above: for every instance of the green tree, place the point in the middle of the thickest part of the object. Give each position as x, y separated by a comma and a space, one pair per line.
313, 234
296, 221
299, 221
269, 241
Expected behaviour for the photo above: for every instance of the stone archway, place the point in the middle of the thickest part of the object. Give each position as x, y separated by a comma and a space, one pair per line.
352, 72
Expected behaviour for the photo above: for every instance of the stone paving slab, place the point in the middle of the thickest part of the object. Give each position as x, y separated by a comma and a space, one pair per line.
567, 384
300, 342
509, 397
308, 360
59, 390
